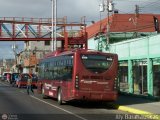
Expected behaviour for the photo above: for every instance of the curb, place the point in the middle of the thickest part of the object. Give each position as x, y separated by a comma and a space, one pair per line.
146, 114
133, 110
149, 97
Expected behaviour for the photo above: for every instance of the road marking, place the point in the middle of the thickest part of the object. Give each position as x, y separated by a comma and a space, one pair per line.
22, 91
4, 84
59, 108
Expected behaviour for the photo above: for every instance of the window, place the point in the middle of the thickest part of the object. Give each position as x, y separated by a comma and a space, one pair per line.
123, 76
57, 68
46, 43
97, 63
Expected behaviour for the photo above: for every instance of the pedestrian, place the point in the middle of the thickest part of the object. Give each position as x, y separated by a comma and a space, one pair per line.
29, 84
8, 77
17, 78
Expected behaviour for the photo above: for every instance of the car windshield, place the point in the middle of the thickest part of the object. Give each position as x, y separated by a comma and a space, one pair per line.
5, 74
34, 77
25, 77
15, 76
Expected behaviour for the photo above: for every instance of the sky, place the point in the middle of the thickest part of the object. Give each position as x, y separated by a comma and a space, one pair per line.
73, 9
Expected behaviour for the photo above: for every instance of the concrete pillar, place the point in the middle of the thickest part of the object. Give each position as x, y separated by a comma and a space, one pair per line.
150, 76
130, 76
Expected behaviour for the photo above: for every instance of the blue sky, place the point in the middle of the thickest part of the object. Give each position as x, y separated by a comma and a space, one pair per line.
6, 50
73, 9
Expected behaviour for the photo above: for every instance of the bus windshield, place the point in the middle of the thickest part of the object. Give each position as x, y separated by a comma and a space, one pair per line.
96, 63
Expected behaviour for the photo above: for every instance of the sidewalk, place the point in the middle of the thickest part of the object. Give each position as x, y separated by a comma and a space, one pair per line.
137, 105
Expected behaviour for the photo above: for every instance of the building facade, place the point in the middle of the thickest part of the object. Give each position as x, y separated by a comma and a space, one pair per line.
27, 60
139, 58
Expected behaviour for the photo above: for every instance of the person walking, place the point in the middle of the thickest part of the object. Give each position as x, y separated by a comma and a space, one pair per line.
29, 84
8, 77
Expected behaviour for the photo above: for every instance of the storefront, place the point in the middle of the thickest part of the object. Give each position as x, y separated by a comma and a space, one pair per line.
139, 66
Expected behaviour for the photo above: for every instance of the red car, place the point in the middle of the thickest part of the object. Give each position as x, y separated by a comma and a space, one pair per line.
22, 81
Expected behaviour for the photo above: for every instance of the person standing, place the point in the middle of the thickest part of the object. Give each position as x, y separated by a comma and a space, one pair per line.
29, 84
8, 77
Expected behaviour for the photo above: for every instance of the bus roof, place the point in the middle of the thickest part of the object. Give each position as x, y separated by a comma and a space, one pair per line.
62, 52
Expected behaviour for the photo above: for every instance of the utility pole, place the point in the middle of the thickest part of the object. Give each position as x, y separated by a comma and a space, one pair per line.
54, 25
136, 18
52, 35
137, 11
108, 6
108, 26
109, 9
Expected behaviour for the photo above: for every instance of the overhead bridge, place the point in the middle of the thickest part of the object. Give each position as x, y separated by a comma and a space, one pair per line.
40, 29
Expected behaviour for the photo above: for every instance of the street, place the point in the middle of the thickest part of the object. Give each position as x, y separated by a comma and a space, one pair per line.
16, 104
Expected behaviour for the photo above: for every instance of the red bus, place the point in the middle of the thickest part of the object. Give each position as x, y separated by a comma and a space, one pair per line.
78, 75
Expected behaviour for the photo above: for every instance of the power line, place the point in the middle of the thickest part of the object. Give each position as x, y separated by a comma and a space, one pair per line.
151, 3
149, 6
141, 6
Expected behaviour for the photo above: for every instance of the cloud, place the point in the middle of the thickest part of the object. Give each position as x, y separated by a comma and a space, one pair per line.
25, 8
42, 8
73, 9
78, 8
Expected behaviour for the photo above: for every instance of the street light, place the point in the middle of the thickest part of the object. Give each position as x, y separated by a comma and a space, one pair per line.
104, 43
109, 6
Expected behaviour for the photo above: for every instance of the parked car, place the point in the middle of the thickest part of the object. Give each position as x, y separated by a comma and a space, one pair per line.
4, 76
22, 80
14, 78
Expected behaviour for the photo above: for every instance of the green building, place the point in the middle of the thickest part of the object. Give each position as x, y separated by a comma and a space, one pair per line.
139, 61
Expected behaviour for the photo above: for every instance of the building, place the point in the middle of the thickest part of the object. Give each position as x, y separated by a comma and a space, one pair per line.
124, 27
27, 60
6, 65
139, 59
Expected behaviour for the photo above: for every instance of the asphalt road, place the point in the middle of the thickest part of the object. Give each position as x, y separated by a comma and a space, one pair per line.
15, 104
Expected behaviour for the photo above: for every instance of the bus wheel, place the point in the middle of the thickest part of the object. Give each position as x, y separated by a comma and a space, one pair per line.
59, 96
43, 95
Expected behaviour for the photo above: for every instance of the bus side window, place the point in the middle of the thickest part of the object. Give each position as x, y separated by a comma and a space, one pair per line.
67, 75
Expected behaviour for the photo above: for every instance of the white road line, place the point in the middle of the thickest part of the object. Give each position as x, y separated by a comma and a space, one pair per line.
22, 91
4, 84
59, 108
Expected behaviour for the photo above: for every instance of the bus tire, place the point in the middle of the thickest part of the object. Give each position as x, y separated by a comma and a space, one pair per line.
59, 96
43, 95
